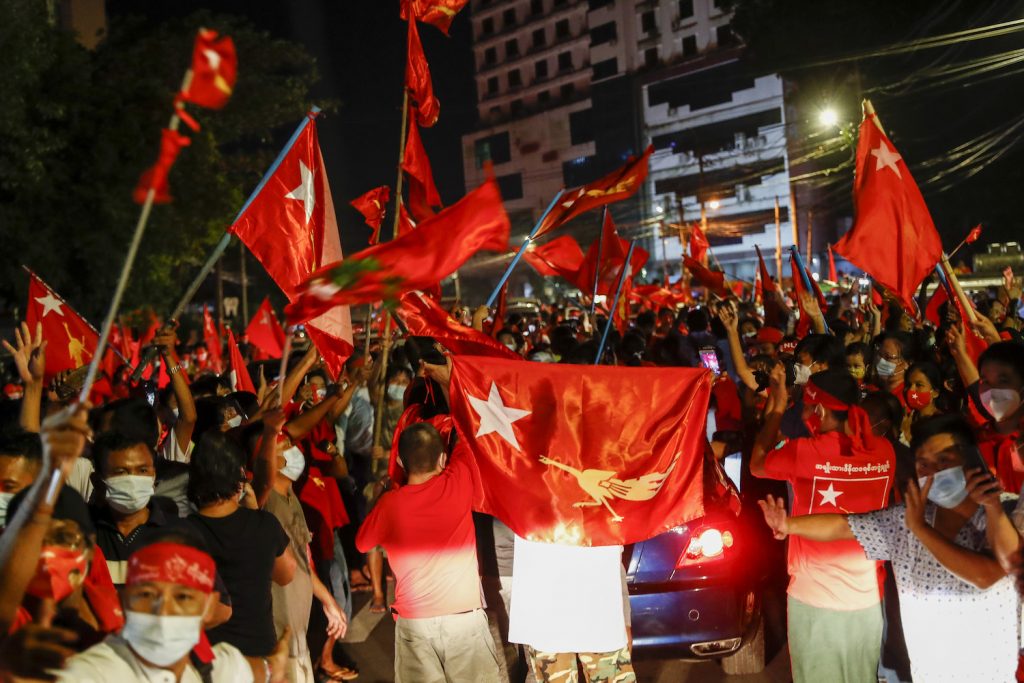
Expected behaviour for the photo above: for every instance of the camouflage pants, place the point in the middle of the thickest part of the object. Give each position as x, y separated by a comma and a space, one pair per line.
598, 667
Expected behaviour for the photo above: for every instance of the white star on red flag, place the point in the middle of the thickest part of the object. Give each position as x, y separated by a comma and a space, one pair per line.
495, 416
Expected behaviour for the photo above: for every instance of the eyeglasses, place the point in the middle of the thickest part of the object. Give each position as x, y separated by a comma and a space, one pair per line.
891, 359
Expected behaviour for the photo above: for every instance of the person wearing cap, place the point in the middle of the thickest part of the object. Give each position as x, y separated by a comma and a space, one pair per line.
169, 588
835, 617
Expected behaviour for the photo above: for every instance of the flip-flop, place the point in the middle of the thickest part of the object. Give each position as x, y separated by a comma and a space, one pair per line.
378, 607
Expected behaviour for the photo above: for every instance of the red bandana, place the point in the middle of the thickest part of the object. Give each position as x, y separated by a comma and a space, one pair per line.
172, 563
858, 425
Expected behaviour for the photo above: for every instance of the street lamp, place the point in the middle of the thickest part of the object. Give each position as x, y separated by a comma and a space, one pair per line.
828, 117
714, 204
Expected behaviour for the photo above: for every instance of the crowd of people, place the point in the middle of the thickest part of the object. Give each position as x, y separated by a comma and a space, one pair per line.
195, 532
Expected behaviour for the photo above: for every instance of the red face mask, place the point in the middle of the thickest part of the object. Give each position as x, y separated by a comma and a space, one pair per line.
53, 573
918, 399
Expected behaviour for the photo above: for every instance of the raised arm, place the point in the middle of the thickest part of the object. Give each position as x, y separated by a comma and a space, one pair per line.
766, 439
727, 314
976, 569
442, 374
825, 527
1003, 537
29, 355
264, 471
295, 375
958, 349
166, 341
809, 302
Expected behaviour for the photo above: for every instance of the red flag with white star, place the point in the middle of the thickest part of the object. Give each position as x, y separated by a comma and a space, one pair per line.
290, 227
265, 333
584, 455
891, 213
214, 70
70, 340
699, 244
620, 184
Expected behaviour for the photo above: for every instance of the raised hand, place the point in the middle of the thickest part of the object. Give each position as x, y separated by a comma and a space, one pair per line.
775, 515
64, 435
442, 374
29, 353
914, 499
983, 488
727, 314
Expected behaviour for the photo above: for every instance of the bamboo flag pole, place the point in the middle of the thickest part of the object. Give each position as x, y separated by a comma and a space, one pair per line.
615, 302
126, 269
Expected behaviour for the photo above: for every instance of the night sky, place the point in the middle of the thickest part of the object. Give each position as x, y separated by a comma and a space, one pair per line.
360, 51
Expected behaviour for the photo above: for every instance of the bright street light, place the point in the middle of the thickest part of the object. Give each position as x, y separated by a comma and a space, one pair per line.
828, 117
714, 204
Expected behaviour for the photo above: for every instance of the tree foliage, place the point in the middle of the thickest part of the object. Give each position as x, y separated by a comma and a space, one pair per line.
78, 127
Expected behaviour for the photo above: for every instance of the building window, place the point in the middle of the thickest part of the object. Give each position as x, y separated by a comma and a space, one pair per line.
516, 106
561, 3
651, 57
581, 126
598, 4
562, 29
690, 46
725, 36
492, 85
487, 27
490, 56
685, 9
565, 62
606, 69
494, 148
648, 24
508, 18
515, 79
511, 186
544, 97
567, 91
495, 111
540, 70
511, 48
539, 38
536, 7
605, 33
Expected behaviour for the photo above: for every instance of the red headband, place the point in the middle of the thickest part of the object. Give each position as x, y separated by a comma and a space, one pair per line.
172, 563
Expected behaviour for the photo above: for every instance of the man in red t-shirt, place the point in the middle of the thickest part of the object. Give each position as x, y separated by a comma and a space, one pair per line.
835, 617
426, 527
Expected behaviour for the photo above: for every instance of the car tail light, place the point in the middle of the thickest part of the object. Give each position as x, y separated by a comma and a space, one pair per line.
707, 544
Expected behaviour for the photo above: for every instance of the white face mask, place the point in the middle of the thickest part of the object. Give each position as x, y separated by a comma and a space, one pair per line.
396, 392
801, 374
949, 487
320, 394
129, 493
5, 500
885, 367
1000, 403
511, 346
235, 421
362, 393
162, 640
294, 463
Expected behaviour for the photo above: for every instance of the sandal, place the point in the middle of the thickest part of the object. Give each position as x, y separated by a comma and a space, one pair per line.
378, 607
342, 673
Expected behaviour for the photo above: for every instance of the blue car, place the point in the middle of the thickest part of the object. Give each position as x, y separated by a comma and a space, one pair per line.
696, 591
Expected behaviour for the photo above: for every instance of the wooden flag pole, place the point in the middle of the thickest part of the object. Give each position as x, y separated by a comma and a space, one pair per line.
126, 269
955, 284
615, 302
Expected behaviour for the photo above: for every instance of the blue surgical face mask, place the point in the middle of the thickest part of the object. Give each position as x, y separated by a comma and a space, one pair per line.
885, 367
396, 392
949, 487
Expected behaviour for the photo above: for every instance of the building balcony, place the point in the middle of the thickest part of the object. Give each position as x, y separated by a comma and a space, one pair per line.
525, 24
684, 22
535, 52
649, 39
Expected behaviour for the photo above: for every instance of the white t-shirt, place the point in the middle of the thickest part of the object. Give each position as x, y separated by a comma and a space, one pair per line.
112, 661
567, 598
80, 478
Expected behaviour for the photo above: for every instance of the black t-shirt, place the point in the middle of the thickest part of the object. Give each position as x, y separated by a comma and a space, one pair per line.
244, 545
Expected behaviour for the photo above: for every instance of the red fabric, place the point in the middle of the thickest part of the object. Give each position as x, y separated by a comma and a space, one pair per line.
102, 595
890, 212
155, 176
620, 184
437, 13
171, 563
833, 276
428, 533
931, 310
728, 410
501, 312
1002, 455
243, 382
417, 260
70, 340
561, 256
291, 228
423, 195
828, 475
214, 70
405, 221
699, 244
417, 80
773, 313
265, 332
714, 280
622, 439
373, 205
425, 317
214, 344
410, 416
605, 258
974, 234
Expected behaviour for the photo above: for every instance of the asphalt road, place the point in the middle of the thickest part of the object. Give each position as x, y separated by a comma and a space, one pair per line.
371, 643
